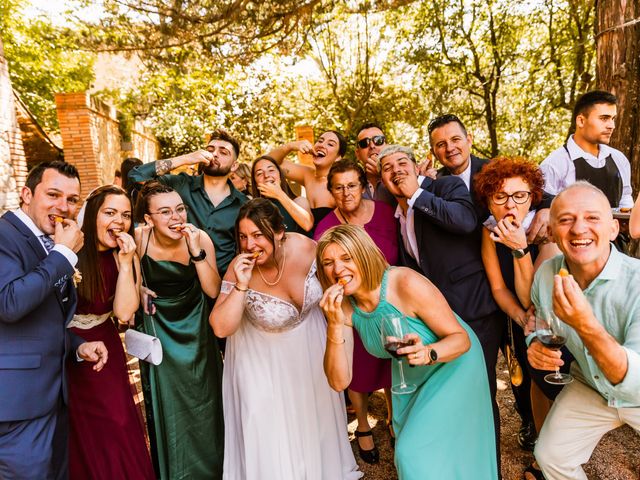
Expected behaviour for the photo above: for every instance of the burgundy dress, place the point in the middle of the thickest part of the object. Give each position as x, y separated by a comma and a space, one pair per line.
106, 436
370, 373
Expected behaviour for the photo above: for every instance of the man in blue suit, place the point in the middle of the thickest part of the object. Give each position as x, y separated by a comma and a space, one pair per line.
38, 246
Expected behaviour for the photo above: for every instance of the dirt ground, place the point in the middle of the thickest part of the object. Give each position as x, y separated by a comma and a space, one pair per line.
617, 456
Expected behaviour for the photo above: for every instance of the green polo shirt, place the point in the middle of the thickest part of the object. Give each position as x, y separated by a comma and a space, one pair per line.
218, 221
613, 296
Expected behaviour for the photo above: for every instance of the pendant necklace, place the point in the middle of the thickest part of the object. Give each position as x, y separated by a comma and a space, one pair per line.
280, 271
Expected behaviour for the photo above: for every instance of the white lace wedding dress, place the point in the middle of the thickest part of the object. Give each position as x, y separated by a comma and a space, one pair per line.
282, 420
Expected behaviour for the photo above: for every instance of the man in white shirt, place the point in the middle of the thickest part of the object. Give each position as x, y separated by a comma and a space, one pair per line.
587, 155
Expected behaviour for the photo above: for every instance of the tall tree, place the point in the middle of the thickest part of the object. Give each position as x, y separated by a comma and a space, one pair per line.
618, 71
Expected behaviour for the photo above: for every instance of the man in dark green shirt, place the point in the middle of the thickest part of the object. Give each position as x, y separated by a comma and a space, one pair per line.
212, 201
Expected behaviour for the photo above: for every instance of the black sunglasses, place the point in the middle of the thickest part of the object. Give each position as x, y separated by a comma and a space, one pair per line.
376, 139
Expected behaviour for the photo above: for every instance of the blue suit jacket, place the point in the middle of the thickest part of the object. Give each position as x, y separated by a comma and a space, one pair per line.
34, 340
447, 236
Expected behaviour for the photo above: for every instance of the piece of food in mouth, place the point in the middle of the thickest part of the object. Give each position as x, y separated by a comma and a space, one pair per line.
256, 254
563, 272
58, 219
342, 282
511, 218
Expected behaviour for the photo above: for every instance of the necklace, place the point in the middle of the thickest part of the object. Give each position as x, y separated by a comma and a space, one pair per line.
280, 270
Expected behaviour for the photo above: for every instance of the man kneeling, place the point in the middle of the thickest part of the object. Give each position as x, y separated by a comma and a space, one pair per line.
599, 301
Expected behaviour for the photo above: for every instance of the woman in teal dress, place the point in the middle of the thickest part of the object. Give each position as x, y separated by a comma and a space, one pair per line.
183, 394
444, 429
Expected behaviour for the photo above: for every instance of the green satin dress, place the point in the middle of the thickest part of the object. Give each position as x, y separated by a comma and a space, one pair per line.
183, 395
444, 430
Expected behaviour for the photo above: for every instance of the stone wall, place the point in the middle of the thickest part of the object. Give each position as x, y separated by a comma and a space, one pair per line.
13, 164
143, 144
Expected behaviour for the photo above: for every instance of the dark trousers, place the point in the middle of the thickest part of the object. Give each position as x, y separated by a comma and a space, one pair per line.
35, 448
490, 331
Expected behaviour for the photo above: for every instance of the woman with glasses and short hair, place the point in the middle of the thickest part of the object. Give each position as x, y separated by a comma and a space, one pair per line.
347, 181
183, 394
510, 188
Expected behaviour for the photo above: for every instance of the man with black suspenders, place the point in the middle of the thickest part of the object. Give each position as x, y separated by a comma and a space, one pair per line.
586, 155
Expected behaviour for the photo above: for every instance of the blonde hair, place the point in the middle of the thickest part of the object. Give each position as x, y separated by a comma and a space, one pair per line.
358, 244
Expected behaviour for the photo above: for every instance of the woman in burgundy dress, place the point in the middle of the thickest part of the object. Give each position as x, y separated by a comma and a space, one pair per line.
106, 436
346, 181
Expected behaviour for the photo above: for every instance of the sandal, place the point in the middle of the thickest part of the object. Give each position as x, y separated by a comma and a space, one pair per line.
369, 456
536, 472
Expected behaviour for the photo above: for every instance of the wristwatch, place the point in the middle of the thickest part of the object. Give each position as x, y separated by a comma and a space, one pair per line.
432, 356
198, 258
520, 252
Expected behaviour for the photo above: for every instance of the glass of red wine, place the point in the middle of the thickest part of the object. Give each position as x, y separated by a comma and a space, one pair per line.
393, 332
552, 333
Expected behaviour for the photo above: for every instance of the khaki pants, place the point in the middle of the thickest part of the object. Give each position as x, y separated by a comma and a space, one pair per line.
577, 421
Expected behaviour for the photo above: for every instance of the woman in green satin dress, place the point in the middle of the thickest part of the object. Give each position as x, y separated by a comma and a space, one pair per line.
444, 430
183, 394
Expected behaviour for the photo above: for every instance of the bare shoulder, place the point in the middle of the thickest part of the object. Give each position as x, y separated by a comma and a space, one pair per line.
301, 248
407, 285
205, 239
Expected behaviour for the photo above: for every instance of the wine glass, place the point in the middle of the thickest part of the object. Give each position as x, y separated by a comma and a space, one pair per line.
552, 333
394, 329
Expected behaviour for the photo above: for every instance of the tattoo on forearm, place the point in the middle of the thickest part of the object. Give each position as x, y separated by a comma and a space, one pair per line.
163, 166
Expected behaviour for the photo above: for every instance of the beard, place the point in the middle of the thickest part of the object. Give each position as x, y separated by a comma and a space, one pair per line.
214, 169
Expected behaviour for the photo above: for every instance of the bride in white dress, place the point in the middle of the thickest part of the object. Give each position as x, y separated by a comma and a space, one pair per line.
282, 420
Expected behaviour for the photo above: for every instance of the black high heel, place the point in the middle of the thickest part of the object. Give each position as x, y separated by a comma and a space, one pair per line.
369, 456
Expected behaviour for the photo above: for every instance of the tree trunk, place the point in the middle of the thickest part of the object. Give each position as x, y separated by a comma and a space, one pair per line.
618, 71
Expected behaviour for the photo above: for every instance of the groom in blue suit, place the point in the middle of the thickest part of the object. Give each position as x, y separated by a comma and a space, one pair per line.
38, 246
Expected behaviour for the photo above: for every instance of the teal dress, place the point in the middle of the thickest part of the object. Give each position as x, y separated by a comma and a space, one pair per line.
444, 429
183, 395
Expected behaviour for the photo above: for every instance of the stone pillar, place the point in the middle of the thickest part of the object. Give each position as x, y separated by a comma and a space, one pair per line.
13, 164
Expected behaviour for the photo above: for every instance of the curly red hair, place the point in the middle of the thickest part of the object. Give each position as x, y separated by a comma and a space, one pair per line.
490, 179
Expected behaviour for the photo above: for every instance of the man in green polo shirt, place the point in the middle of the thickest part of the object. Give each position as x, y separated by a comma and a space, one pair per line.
598, 300
212, 201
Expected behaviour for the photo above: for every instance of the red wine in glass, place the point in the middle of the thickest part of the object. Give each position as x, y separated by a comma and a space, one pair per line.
393, 347
552, 341
393, 330
552, 333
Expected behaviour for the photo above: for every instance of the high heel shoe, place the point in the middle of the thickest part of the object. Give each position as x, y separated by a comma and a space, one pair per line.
369, 456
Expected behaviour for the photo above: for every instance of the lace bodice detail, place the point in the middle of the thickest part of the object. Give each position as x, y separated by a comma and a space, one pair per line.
272, 314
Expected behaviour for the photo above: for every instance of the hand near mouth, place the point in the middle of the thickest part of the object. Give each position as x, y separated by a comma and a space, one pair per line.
68, 233
407, 184
270, 190
127, 247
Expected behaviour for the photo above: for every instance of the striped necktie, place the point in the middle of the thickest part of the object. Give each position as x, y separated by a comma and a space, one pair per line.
48, 243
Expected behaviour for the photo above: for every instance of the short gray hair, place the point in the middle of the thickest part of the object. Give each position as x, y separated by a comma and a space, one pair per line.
391, 149
583, 185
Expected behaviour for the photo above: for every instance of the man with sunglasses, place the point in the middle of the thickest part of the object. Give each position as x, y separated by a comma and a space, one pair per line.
370, 140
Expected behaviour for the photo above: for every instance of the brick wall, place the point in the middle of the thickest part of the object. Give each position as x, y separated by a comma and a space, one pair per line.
13, 165
90, 137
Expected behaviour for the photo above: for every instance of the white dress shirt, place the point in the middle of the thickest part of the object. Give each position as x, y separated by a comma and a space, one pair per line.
559, 171
407, 225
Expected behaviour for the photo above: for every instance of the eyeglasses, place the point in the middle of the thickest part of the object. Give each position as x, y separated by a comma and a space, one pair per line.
376, 139
342, 189
520, 197
168, 212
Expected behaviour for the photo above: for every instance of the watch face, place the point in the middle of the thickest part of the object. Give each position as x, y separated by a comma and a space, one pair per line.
433, 355
518, 253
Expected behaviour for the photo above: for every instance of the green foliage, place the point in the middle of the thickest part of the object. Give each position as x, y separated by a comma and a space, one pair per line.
43, 60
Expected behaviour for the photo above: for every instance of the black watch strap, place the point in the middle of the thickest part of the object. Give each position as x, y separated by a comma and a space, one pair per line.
520, 252
198, 258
